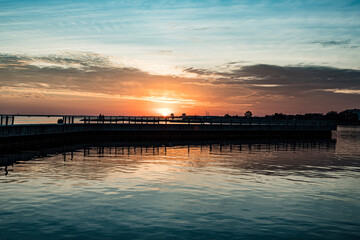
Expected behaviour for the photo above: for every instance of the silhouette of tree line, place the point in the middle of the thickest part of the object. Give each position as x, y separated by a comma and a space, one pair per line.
344, 117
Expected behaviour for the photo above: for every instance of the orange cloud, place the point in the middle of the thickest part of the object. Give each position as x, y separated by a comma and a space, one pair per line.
92, 84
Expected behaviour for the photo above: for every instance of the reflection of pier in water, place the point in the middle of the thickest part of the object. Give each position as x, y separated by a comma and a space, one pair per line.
103, 150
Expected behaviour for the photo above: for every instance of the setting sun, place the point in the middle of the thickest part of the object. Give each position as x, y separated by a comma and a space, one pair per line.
164, 111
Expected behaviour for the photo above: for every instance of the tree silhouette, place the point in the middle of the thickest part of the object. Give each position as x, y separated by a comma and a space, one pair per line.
248, 114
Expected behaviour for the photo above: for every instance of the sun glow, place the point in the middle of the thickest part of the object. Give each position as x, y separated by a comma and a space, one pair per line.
164, 111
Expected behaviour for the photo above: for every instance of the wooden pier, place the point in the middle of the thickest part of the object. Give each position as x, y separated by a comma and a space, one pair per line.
161, 128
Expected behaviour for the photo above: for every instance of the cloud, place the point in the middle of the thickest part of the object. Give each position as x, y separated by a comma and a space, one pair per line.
165, 52
205, 72
232, 87
92, 72
288, 89
70, 60
330, 43
345, 91
286, 80
83, 75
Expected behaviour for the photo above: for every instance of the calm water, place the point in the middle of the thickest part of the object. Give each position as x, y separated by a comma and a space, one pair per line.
296, 190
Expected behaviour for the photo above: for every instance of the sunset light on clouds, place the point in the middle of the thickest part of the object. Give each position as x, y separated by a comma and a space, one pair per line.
152, 57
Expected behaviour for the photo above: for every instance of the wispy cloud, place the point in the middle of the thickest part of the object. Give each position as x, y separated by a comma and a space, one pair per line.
231, 88
165, 52
287, 80
329, 43
201, 33
26, 89
344, 91
83, 75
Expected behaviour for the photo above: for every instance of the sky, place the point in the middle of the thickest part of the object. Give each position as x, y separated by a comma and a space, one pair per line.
195, 57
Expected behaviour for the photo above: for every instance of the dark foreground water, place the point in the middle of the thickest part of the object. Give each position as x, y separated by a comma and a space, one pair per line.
281, 190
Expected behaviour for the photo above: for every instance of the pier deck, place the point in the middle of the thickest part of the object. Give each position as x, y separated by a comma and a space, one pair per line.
165, 128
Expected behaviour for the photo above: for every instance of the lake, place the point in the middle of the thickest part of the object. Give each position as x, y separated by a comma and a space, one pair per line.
210, 190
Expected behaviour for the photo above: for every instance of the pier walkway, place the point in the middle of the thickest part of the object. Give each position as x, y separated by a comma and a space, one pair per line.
134, 127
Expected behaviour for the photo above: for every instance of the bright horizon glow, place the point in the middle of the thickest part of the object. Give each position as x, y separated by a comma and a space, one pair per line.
164, 111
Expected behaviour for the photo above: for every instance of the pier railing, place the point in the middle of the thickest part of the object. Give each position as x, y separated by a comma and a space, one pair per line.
6, 120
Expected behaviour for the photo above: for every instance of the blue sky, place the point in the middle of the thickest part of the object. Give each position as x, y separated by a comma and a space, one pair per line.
202, 41
188, 33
